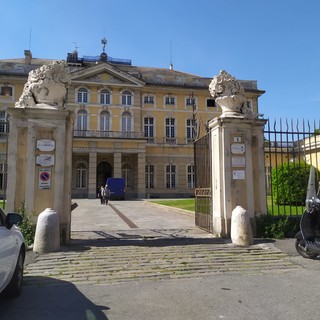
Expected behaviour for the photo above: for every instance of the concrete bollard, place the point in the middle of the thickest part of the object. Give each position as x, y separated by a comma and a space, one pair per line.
47, 237
241, 232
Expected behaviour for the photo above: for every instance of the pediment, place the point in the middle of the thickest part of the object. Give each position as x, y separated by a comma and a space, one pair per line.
105, 74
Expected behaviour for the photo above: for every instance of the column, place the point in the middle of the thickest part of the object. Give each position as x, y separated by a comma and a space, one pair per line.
92, 176
141, 183
238, 177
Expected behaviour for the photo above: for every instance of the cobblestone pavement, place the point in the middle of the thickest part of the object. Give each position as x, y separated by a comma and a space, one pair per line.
99, 255
100, 264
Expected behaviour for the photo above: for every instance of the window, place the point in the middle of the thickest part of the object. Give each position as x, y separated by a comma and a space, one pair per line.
126, 121
127, 175
211, 103
190, 176
82, 118
191, 101
6, 91
3, 122
81, 176
3, 176
170, 100
83, 95
149, 128
105, 97
105, 121
170, 130
126, 98
148, 99
149, 176
190, 129
170, 176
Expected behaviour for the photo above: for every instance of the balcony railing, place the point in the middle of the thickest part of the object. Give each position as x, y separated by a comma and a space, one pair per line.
108, 134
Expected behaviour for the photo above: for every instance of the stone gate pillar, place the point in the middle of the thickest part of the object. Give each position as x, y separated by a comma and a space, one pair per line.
238, 173
40, 147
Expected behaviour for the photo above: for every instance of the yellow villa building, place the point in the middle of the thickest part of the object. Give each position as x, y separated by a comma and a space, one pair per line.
134, 122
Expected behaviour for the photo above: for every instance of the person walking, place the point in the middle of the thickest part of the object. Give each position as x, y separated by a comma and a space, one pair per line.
101, 193
106, 194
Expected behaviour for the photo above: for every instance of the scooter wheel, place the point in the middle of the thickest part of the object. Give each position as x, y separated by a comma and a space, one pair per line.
301, 248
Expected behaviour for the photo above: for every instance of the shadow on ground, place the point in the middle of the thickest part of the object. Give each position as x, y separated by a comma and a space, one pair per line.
56, 300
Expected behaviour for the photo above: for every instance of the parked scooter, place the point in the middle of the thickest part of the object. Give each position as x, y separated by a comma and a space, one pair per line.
308, 238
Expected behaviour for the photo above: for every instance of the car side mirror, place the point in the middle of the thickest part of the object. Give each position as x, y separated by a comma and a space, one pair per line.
13, 218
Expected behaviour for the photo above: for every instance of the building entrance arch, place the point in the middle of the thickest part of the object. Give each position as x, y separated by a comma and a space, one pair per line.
104, 171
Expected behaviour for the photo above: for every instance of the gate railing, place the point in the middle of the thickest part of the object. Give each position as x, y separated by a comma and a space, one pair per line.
203, 216
203, 195
290, 147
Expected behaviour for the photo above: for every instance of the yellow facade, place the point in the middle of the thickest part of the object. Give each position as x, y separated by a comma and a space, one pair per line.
130, 121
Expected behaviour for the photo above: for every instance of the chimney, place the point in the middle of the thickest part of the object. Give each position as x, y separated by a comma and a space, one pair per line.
27, 56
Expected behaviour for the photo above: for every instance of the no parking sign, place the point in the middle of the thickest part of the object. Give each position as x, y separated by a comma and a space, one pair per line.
44, 178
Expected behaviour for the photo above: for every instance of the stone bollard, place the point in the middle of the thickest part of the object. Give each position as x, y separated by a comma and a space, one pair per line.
47, 237
241, 232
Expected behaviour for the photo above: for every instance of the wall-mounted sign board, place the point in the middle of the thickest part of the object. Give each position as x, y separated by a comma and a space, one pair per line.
238, 148
238, 175
46, 145
238, 161
45, 160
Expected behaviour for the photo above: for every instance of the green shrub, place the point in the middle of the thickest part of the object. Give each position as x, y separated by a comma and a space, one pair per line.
268, 226
26, 226
290, 182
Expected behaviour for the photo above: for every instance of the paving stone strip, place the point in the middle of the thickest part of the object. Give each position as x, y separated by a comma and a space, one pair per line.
111, 264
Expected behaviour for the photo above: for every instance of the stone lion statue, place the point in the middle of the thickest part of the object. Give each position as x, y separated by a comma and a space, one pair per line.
46, 87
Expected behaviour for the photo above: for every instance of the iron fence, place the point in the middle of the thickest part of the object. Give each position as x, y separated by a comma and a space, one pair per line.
203, 197
291, 147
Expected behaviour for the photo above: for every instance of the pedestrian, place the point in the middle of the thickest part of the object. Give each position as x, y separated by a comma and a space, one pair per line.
101, 194
106, 194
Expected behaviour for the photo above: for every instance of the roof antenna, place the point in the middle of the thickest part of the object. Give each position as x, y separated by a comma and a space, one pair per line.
171, 64
75, 47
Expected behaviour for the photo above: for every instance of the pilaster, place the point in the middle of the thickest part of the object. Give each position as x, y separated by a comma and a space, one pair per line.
117, 164
141, 183
92, 176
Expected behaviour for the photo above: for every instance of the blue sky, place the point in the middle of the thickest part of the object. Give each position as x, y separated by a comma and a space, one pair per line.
276, 42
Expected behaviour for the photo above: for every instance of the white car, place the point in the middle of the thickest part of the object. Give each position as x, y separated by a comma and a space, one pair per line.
12, 255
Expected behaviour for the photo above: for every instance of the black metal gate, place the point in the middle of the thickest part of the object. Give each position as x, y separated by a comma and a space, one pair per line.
203, 195
290, 148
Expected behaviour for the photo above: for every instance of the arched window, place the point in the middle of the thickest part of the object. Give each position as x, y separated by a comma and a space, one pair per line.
126, 121
105, 121
127, 175
105, 97
81, 176
82, 120
83, 95
126, 98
